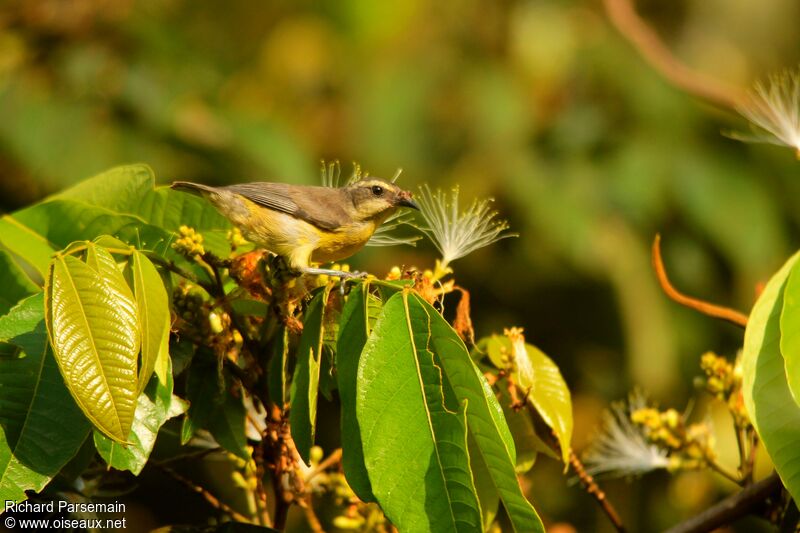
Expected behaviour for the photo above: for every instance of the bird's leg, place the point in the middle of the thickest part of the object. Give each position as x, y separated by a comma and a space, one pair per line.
329, 272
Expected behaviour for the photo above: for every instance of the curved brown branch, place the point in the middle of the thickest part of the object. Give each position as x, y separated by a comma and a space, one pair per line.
204, 493
594, 490
650, 46
709, 309
732, 508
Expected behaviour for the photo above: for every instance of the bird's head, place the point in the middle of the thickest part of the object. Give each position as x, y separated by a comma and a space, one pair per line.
376, 199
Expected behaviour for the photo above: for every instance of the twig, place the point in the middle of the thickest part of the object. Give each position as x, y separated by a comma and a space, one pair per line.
742, 454
198, 454
313, 521
207, 496
588, 482
709, 309
332, 459
650, 46
731, 508
751, 458
724, 472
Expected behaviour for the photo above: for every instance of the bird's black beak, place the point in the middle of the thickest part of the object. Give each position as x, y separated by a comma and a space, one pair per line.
404, 200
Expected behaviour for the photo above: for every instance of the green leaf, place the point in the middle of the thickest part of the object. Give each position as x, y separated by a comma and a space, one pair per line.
413, 429
767, 396
15, 284
61, 222
526, 442
205, 391
550, 396
354, 328
119, 189
131, 190
484, 417
42, 427
227, 425
27, 244
790, 332
536, 374
487, 493
305, 382
276, 376
94, 330
154, 318
154, 407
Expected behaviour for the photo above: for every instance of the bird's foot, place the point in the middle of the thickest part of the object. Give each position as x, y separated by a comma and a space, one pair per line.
335, 273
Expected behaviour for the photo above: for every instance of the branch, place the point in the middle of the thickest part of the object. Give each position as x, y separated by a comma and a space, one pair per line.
731, 508
207, 496
588, 482
652, 49
709, 309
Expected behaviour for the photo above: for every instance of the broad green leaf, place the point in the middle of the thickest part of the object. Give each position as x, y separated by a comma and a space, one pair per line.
119, 189
767, 396
94, 330
227, 425
205, 391
154, 319
550, 396
154, 407
354, 328
487, 493
484, 416
14, 284
413, 428
305, 382
131, 190
61, 222
526, 442
536, 374
27, 244
276, 376
790, 332
41, 427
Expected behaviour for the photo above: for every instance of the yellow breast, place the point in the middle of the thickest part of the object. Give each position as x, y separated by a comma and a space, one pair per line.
337, 245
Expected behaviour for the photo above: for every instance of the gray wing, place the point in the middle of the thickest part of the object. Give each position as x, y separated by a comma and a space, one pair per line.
315, 205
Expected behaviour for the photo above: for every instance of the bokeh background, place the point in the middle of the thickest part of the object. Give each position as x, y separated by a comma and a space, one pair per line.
540, 104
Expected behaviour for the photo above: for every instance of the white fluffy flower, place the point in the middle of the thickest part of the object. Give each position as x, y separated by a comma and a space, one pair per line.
621, 448
773, 108
458, 233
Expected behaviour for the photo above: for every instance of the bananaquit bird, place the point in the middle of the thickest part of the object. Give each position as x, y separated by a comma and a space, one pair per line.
306, 223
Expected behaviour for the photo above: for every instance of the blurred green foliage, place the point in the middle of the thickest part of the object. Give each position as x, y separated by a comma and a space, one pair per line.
539, 103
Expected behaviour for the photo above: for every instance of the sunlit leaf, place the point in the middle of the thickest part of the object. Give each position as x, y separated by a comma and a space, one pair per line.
790, 332
94, 330
769, 401
14, 284
154, 407
413, 428
485, 419
550, 396
154, 318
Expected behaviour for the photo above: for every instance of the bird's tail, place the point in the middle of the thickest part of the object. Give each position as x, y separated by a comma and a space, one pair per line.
194, 188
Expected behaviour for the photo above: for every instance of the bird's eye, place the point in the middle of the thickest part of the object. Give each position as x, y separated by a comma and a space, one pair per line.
377, 190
